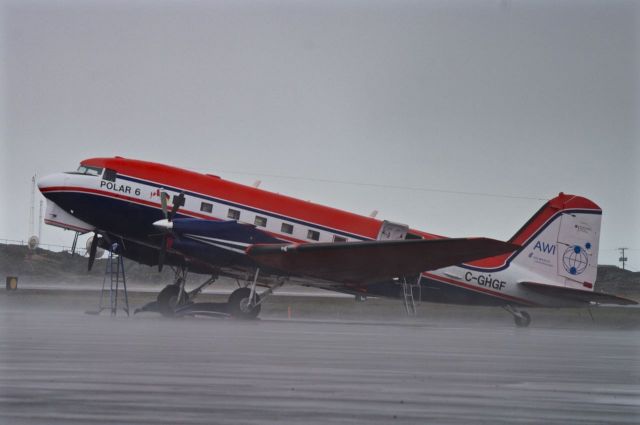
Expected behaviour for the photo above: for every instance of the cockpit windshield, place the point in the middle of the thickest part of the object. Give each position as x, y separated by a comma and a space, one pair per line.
91, 171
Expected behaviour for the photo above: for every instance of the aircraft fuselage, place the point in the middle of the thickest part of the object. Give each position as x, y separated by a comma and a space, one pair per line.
124, 202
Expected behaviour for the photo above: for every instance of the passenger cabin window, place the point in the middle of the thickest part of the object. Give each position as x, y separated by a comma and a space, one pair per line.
206, 207
109, 175
412, 236
260, 221
286, 228
313, 235
233, 214
339, 238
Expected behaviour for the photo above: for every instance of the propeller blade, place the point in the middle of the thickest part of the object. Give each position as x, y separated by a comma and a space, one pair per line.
165, 224
178, 201
92, 251
162, 253
163, 203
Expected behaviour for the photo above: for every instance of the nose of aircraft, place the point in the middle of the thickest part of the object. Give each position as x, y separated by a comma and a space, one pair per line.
50, 182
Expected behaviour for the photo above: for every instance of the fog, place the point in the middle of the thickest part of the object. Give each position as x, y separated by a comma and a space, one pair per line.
58, 366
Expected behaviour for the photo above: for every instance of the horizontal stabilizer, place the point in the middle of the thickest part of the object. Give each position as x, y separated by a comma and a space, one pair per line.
577, 294
369, 261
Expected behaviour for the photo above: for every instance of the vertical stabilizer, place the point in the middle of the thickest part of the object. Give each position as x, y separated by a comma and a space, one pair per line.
560, 243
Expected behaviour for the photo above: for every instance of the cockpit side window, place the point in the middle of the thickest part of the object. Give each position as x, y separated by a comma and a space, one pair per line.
90, 171
109, 175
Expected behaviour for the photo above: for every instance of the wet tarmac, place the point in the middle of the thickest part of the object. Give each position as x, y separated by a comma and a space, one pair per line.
59, 366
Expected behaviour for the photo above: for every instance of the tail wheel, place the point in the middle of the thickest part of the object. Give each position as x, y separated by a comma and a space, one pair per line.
168, 300
240, 306
523, 320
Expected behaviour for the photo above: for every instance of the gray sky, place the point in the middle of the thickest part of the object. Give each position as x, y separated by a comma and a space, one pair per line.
513, 98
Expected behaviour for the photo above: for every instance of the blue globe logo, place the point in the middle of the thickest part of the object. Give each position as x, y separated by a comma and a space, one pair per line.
575, 260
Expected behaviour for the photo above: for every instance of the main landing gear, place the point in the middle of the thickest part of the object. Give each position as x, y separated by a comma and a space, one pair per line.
521, 318
243, 303
174, 298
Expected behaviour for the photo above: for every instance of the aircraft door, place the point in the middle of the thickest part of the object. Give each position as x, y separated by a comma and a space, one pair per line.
392, 231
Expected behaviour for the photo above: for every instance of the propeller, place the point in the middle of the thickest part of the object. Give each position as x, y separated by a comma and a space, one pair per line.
92, 251
166, 224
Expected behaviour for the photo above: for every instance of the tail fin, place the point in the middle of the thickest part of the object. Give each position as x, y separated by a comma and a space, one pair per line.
560, 243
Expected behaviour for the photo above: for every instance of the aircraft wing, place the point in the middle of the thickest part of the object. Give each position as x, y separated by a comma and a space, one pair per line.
577, 294
370, 261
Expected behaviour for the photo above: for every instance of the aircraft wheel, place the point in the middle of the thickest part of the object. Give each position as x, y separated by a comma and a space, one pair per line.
239, 304
523, 320
168, 299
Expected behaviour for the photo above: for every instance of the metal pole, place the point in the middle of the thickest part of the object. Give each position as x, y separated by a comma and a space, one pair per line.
622, 258
124, 285
112, 294
75, 242
253, 287
33, 206
115, 305
40, 223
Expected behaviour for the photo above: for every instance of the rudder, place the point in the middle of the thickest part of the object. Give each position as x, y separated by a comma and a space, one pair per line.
560, 243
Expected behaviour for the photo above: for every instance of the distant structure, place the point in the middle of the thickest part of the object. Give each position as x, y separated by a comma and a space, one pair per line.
33, 239
33, 243
622, 258
40, 222
33, 204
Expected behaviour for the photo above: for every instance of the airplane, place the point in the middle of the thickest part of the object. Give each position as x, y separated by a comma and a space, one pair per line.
198, 223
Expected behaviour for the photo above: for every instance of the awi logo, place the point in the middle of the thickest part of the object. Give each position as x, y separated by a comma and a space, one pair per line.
575, 260
545, 248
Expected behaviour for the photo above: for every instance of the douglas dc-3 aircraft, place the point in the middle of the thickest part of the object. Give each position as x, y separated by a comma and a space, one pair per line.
162, 215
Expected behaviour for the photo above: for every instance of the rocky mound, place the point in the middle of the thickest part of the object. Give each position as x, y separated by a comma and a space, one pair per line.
43, 265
